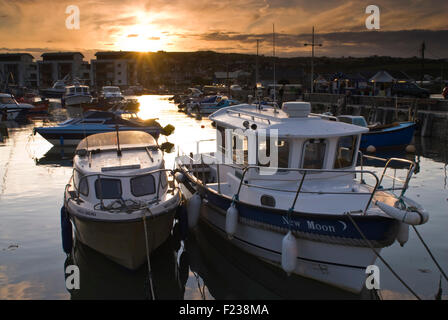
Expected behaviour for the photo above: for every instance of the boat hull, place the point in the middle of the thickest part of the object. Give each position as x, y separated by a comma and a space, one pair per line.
124, 242
330, 248
73, 137
77, 100
398, 136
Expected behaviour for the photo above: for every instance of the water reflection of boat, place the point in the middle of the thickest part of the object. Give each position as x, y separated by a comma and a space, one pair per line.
57, 156
102, 279
229, 273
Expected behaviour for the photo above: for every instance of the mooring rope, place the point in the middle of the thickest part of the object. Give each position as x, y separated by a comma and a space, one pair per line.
147, 254
380, 257
430, 253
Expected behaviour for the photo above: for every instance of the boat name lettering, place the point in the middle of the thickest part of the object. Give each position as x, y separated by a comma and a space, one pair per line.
320, 227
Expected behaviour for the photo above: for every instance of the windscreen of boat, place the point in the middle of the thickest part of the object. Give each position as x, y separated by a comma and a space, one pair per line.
106, 188
7, 100
314, 154
108, 139
281, 146
112, 89
143, 185
345, 152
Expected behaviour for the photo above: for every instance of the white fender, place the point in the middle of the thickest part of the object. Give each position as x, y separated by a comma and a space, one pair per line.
418, 207
409, 217
289, 253
231, 220
193, 209
403, 233
179, 176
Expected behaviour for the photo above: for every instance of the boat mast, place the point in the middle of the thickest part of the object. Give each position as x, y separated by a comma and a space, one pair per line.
273, 54
118, 141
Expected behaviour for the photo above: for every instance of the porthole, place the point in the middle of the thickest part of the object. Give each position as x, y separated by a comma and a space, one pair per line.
267, 200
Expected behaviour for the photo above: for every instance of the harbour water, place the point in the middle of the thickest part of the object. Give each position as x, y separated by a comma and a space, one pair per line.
33, 175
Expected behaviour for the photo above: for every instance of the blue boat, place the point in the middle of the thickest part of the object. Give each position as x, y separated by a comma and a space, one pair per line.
393, 135
72, 131
210, 104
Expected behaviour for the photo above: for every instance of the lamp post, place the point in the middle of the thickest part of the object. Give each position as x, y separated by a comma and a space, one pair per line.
312, 44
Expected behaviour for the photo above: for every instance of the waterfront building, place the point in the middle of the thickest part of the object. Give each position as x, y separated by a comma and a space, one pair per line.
57, 65
19, 69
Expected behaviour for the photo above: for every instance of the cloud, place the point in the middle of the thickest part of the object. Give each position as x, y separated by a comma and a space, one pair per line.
189, 25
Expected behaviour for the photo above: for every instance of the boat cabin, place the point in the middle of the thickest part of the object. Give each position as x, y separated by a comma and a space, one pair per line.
77, 90
105, 171
356, 120
301, 140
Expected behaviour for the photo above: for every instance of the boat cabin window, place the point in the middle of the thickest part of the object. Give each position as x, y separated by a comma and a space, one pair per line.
222, 143
80, 183
163, 179
345, 152
314, 154
143, 185
106, 188
240, 149
88, 121
359, 121
282, 146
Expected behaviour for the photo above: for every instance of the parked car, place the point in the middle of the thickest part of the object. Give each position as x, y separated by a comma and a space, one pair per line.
409, 89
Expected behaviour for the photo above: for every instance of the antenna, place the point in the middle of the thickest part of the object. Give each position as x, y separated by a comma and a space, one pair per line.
312, 44
118, 140
273, 54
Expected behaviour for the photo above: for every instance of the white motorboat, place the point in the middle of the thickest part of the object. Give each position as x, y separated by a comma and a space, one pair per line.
111, 93
56, 91
76, 95
283, 186
119, 198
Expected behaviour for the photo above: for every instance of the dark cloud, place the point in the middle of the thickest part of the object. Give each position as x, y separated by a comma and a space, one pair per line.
404, 43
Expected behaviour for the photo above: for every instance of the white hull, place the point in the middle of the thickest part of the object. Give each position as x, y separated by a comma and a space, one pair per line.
337, 265
124, 242
76, 100
341, 266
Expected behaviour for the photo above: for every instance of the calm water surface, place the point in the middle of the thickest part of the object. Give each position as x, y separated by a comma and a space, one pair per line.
32, 263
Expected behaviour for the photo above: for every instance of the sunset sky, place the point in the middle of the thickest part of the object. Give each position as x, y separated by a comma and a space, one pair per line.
226, 26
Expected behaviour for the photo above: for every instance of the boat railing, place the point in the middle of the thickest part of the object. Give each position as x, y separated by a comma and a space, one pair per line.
102, 175
303, 172
387, 165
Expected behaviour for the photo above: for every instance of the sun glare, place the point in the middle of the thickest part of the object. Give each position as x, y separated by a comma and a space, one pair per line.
140, 38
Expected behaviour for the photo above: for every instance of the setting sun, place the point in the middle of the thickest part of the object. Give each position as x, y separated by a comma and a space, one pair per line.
140, 38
